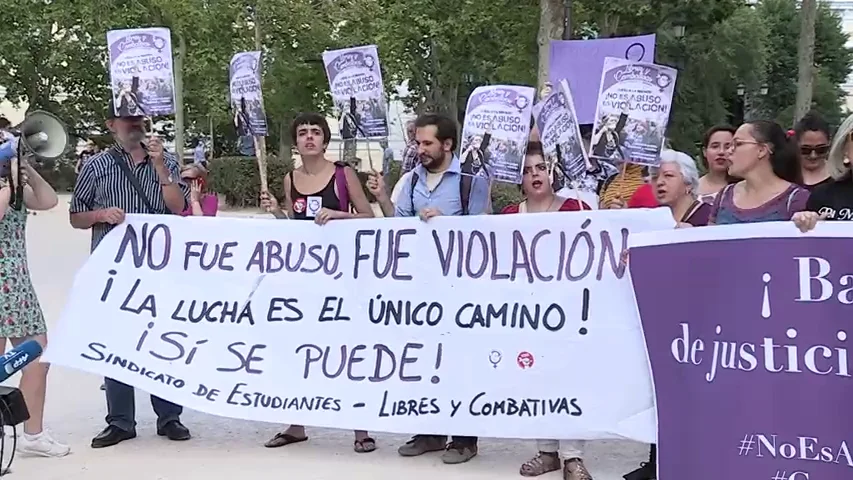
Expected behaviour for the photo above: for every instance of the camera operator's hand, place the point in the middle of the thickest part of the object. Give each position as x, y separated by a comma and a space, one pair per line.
112, 216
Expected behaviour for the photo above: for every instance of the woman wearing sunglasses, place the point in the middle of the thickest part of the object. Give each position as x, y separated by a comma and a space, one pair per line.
201, 203
832, 200
813, 139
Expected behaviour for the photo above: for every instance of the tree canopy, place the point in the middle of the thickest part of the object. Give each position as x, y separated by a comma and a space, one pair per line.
53, 54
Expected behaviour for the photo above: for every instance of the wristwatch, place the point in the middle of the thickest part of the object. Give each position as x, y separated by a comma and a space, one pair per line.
169, 181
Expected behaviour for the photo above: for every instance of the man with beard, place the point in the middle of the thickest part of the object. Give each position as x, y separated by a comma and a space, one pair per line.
433, 188
129, 177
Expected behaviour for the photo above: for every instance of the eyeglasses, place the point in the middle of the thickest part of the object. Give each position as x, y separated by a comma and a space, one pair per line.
818, 150
739, 143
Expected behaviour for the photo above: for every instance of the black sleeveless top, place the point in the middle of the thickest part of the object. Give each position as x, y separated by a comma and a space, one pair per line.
300, 207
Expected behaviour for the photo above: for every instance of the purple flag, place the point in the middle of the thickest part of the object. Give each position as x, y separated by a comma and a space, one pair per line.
581, 61
747, 329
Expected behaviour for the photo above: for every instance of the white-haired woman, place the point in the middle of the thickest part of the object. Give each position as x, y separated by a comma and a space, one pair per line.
676, 184
833, 200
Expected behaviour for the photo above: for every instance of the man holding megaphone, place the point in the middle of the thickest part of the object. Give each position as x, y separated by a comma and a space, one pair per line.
136, 175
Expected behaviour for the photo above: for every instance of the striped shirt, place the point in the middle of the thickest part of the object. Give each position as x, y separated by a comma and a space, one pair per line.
410, 157
102, 184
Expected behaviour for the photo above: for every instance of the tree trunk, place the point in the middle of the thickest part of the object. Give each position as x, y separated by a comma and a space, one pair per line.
179, 98
805, 59
551, 26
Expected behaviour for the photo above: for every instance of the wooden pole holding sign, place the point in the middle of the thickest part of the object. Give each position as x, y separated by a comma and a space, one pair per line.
260, 140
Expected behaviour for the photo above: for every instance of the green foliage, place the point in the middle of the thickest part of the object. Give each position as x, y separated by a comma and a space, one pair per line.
504, 194
832, 61
58, 173
238, 180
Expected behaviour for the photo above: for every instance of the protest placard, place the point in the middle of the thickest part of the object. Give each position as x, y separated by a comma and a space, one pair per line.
581, 62
747, 332
141, 73
247, 100
518, 326
355, 80
495, 132
559, 131
634, 103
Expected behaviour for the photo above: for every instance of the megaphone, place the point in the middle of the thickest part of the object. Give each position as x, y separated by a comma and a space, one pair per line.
41, 134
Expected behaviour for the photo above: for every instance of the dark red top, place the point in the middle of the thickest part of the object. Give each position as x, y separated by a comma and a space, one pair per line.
570, 205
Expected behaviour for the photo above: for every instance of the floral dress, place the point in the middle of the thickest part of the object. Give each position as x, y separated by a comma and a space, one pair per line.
20, 313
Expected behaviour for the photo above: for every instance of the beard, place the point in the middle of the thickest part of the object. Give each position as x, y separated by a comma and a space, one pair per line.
431, 160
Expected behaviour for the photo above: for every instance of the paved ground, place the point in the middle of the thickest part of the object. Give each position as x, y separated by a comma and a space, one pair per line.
221, 447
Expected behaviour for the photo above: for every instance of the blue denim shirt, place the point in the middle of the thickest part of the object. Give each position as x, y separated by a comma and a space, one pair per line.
445, 197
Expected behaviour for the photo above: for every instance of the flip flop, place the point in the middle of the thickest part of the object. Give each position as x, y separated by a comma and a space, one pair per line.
365, 445
284, 439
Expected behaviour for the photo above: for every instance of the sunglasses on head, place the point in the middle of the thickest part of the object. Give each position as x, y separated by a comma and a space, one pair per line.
819, 150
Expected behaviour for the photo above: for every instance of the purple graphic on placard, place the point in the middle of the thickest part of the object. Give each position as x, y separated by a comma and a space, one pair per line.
141, 74
747, 341
581, 62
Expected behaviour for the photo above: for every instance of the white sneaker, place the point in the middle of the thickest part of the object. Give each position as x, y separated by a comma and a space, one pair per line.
42, 445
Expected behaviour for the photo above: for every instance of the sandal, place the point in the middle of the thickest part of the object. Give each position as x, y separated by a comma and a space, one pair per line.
283, 439
541, 464
365, 445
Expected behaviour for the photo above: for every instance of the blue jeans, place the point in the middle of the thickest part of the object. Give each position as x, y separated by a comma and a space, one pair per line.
121, 407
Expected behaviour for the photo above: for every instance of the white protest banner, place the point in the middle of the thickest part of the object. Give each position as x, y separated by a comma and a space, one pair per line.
495, 132
519, 326
247, 100
141, 74
355, 80
633, 111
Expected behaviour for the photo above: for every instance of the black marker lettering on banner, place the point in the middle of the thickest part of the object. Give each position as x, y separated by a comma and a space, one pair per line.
523, 407
241, 398
328, 309
393, 252
213, 312
454, 407
385, 362
408, 407
404, 312
476, 255
267, 258
209, 257
171, 339
98, 353
141, 246
511, 315
246, 361
148, 304
292, 313
208, 394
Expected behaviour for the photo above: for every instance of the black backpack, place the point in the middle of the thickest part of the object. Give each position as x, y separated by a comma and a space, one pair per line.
464, 190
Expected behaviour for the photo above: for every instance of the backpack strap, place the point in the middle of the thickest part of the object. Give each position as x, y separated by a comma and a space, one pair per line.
342, 186
464, 190
791, 195
718, 201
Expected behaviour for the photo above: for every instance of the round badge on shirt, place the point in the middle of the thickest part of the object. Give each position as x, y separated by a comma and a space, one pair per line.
299, 205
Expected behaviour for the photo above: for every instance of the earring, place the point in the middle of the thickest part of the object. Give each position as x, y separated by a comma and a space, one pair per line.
846, 161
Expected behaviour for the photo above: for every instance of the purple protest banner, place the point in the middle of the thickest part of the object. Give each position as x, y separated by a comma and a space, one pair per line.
581, 61
746, 329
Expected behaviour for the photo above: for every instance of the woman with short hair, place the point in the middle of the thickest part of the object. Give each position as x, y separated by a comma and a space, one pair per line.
676, 183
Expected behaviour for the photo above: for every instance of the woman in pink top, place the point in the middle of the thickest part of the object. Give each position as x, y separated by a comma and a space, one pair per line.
201, 203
